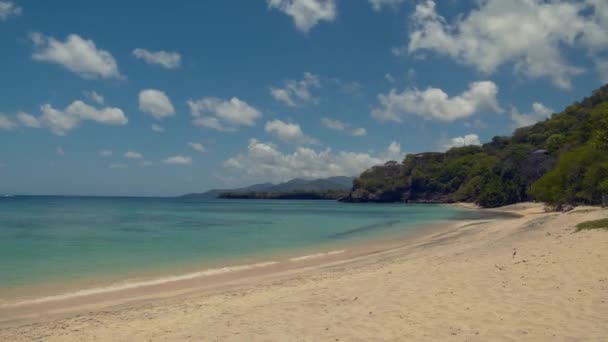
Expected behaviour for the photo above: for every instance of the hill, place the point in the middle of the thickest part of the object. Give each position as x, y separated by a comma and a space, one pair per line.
563, 159
324, 188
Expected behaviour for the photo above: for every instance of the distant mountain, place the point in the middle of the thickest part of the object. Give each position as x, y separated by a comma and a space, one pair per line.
288, 189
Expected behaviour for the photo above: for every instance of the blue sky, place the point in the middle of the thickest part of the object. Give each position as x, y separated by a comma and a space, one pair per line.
158, 98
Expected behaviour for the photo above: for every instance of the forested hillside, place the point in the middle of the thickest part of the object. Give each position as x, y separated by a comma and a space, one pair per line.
561, 160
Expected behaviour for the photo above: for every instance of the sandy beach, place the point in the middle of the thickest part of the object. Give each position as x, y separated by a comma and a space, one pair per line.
530, 278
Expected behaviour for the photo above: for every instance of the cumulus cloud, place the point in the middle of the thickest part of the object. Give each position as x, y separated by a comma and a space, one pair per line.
389, 78
223, 115
528, 34
62, 121
105, 153
359, 132
290, 132
76, 54
338, 125
94, 96
539, 112
377, 5
6, 123
178, 160
8, 9
134, 155
157, 128
296, 92
166, 59
434, 103
602, 68
306, 14
28, 120
265, 161
466, 140
198, 147
155, 103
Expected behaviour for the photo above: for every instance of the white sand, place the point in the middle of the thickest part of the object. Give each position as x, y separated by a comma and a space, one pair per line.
525, 279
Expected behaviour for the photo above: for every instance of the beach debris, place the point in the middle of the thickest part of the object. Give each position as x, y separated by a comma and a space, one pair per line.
500, 268
514, 252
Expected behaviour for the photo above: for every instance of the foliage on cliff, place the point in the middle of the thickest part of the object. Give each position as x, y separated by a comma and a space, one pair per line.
563, 159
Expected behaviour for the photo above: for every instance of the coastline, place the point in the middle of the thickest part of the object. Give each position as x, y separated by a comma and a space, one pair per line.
79, 296
484, 279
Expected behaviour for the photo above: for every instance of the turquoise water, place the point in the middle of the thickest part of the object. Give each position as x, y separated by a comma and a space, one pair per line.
45, 239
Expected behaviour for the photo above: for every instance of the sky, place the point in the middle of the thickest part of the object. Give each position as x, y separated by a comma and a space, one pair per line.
157, 98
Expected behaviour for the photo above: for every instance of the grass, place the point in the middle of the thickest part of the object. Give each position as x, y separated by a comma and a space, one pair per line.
597, 224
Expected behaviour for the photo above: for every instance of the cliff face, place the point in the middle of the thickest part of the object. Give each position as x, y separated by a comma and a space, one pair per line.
398, 182
462, 174
563, 159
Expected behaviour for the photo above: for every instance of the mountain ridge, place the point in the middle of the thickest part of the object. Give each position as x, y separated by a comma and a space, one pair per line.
301, 185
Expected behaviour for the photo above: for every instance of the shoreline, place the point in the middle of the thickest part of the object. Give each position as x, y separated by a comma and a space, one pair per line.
161, 284
526, 278
103, 284
27, 284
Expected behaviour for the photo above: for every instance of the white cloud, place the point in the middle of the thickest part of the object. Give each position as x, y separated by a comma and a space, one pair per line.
155, 103
118, 166
28, 120
539, 112
94, 96
528, 34
306, 13
466, 140
297, 92
338, 125
290, 132
166, 59
378, 4
178, 160
359, 132
8, 9
105, 153
78, 55
157, 128
133, 155
264, 161
434, 103
197, 147
602, 68
6, 123
60, 122
60, 151
213, 123
389, 78
223, 115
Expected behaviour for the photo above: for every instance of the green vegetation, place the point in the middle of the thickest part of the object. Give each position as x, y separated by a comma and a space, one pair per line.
562, 160
597, 224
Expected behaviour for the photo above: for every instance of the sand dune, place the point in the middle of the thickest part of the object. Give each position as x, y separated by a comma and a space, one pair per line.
524, 279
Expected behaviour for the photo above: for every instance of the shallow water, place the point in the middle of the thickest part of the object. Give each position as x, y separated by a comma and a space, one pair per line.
57, 239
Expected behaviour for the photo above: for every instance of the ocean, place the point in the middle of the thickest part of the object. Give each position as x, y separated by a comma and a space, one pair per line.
63, 240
